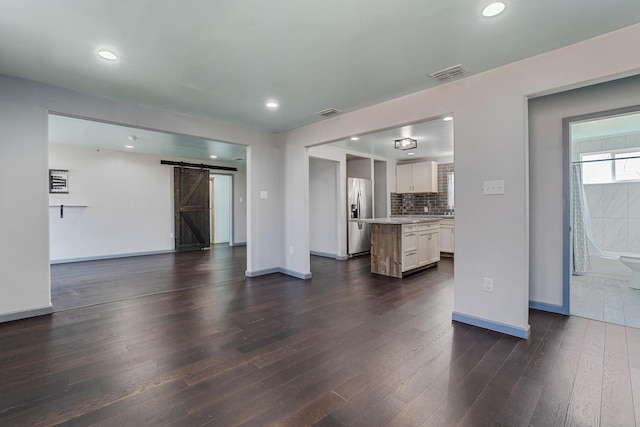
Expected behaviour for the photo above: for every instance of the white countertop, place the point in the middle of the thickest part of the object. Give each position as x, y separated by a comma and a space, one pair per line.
424, 216
396, 220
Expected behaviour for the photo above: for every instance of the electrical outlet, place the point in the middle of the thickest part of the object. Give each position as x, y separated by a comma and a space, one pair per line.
488, 284
172, 236
290, 250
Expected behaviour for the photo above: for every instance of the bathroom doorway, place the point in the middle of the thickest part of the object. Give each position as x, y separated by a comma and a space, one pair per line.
604, 212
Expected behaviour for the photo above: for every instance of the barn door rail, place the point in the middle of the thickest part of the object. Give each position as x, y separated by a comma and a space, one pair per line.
197, 165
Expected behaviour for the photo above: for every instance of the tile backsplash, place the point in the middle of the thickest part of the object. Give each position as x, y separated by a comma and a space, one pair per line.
413, 204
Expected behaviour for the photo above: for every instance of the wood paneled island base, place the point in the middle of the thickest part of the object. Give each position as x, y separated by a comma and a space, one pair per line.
401, 249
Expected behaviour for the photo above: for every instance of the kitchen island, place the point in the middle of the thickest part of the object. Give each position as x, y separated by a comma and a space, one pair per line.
403, 245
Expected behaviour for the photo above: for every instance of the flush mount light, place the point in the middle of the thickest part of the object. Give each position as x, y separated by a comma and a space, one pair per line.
406, 144
108, 55
272, 104
410, 154
213, 156
355, 138
493, 9
128, 146
447, 118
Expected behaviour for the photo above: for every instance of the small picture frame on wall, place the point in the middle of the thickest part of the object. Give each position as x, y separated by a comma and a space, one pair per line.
58, 181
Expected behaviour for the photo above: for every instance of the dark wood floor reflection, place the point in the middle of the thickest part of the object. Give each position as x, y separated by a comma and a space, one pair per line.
345, 348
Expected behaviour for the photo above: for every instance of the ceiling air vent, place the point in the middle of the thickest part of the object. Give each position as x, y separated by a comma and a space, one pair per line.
447, 73
329, 112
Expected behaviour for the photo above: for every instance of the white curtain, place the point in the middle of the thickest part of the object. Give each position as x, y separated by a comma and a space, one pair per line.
580, 259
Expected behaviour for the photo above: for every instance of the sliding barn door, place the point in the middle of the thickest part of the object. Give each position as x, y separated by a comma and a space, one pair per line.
191, 201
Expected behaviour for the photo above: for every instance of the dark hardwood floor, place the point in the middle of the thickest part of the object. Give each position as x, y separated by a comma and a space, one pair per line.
187, 340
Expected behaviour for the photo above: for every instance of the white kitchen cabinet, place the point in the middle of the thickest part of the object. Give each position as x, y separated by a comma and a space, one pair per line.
417, 178
428, 243
447, 236
409, 247
420, 245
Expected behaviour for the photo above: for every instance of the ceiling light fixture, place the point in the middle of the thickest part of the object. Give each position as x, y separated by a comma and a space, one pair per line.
493, 9
128, 146
410, 154
213, 156
447, 118
355, 138
406, 144
272, 104
108, 55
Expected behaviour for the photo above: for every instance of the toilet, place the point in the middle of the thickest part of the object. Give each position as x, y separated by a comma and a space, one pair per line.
633, 262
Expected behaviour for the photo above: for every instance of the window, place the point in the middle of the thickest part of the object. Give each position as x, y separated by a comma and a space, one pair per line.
628, 167
612, 166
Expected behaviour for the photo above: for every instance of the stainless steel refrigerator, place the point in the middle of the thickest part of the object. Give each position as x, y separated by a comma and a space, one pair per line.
360, 203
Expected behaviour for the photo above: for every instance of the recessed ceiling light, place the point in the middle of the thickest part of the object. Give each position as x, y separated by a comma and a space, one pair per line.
108, 55
355, 138
493, 9
410, 154
272, 104
213, 156
447, 119
128, 146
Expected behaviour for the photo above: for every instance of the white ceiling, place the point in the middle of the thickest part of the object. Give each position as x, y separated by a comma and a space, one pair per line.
224, 59
105, 136
435, 142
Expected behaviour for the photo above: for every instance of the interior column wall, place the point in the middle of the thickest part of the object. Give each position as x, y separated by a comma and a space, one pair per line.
24, 247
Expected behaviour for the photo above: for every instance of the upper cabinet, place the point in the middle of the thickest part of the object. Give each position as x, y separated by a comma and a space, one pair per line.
417, 178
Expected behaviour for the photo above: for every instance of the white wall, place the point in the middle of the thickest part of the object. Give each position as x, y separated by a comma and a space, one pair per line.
24, 248
265, 215
492, 232
545, 154
222, 208
240, 206
129, 198
359, 168
324, 214
381, 195
130, 204
24, 245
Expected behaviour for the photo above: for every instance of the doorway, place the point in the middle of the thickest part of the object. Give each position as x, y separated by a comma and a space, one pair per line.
605, 215
221, 209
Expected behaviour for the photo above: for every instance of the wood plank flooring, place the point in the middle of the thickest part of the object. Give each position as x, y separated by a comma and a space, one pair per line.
186, 340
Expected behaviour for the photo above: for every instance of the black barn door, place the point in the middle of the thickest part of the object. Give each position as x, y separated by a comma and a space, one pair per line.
191, 201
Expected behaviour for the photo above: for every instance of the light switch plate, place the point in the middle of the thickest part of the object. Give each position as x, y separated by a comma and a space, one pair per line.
493, 187
487, 284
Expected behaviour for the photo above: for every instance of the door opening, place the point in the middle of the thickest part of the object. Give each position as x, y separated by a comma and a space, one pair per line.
221, 209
